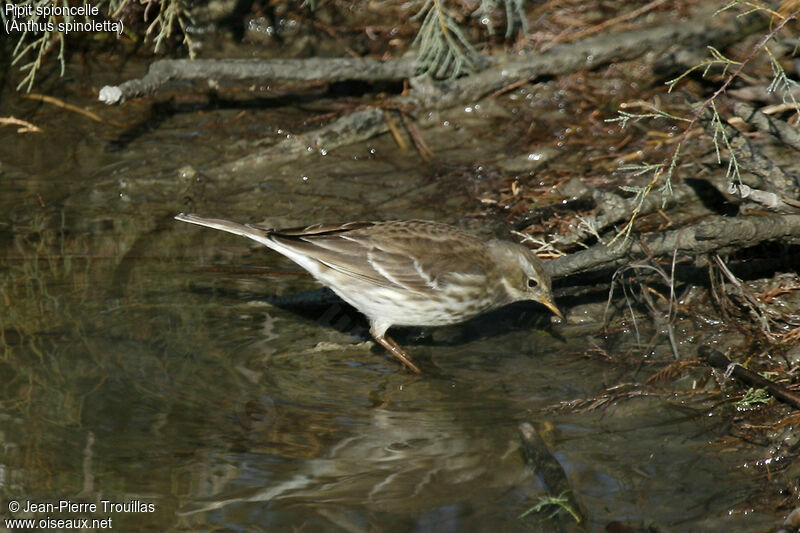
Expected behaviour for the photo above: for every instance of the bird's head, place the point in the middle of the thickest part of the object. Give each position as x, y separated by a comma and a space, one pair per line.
523, 274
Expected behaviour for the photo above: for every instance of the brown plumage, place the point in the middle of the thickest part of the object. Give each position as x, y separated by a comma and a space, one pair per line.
406, 273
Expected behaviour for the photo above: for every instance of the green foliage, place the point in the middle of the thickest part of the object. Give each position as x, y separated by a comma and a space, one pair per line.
33, 46
781, 83
717, 59
515, 14
171, 15
444, 50
625, 117
719, 133
560, 503
753, 397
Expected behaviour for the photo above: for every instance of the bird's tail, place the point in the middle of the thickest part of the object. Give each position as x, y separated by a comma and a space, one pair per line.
257, 234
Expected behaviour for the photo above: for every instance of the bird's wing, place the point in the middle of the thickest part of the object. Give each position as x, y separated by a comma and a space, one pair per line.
413, 256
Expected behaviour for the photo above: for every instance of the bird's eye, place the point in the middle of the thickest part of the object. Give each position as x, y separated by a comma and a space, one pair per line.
532, 283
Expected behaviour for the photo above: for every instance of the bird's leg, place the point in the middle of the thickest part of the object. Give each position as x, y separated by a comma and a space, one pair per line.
397, 351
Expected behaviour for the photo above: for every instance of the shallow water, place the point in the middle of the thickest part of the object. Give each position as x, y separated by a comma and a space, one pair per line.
143, 363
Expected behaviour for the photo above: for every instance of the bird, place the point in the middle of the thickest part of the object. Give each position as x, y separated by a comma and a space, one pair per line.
406, 272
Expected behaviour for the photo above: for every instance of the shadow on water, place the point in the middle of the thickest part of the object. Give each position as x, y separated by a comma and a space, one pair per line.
325, 309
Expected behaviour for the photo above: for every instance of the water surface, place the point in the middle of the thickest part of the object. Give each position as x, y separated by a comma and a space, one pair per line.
143, 361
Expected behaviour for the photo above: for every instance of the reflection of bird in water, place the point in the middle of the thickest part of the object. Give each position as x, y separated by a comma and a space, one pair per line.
395, 462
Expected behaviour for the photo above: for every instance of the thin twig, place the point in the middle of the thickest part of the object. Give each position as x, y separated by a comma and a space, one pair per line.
605, 24
26, 127
69, 107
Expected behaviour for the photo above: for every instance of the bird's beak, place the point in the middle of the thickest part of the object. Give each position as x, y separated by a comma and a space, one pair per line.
551, 306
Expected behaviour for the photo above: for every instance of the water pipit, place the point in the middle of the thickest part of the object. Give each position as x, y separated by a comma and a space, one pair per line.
406, 273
